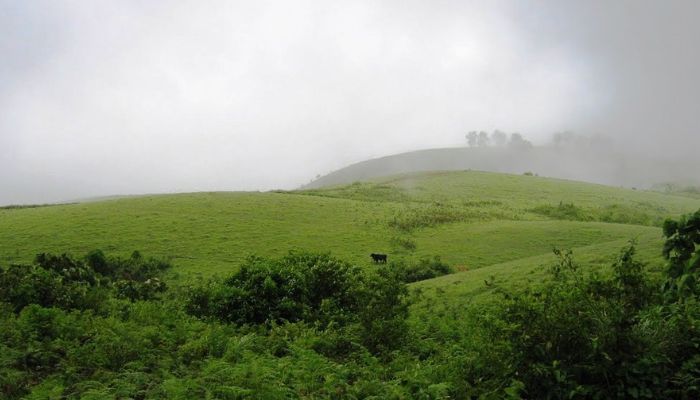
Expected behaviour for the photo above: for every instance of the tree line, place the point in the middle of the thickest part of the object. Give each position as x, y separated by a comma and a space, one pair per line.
497, 139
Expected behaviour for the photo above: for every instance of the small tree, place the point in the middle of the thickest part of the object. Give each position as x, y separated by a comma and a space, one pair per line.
499, 138
472, 138
483, 140
517, 141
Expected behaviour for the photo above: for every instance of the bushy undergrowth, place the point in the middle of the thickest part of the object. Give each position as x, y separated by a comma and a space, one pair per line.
616, 213
435, 214
81, 284
313, 288
625, 336
678, 189
312, 326
425, 268
403, 242
25, 206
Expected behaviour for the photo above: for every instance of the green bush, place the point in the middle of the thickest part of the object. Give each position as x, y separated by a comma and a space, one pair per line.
680, 249
432, 215
567, 211
312, 288
403, 242
298, 287
70, 283
586, 336
614, 213
425, 268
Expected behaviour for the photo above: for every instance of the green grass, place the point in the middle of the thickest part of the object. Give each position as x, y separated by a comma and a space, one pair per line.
516, 191
469, 286
477, 245
471, 219
203, 232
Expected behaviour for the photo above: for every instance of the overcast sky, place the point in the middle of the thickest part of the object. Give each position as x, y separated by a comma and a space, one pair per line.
126, 97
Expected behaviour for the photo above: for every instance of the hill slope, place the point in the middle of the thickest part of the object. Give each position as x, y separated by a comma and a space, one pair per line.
600, 165
470, 219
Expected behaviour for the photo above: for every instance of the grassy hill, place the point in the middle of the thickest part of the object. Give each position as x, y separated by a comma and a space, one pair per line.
312, 326
604, 165
470, 219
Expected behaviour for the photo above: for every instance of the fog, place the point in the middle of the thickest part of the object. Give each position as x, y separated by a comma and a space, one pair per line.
129, 97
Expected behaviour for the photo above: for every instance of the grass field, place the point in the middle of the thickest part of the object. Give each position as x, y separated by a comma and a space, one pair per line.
287, 328
471, 219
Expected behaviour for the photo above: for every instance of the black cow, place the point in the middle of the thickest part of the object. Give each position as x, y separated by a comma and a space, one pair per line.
378, 258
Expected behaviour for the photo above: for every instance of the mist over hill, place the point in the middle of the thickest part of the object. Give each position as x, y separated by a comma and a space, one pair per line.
589, 159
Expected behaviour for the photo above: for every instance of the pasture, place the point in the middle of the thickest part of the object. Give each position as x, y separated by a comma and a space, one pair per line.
215, 323
471, 219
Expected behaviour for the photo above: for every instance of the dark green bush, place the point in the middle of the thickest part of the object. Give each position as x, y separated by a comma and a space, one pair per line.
614, 213
313, 288
298, 287
432, 215
403, 242
586, 336
568, 211
70, 283
680, 249
425, 268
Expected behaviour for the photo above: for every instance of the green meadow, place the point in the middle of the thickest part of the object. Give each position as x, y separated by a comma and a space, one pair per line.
470, 219
241, 295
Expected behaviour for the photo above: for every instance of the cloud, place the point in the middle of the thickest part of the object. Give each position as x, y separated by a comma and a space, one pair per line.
134, 97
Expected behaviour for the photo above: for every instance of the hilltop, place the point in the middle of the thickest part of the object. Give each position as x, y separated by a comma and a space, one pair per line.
593, 163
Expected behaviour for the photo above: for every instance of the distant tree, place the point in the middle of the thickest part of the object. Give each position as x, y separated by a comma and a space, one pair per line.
562, 139
472, 138
517, 141
483, 140
499, 138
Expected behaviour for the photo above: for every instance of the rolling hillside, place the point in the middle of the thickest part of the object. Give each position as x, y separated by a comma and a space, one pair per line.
602, 165
470, 219
311, 326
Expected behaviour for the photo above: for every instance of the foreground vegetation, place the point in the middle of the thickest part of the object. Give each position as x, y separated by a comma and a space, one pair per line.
310, 325
472, 304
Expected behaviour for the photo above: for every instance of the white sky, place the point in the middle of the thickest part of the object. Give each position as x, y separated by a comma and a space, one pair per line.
124, 97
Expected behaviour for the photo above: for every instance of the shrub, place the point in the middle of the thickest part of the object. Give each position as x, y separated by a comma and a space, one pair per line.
311, 288
403, 242
433, 215
680, 249
69, 283
614, 213
568, 211
425, 268
585, 336
383, 312
300, 286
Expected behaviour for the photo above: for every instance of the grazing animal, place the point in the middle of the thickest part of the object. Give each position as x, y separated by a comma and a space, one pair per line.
378, 258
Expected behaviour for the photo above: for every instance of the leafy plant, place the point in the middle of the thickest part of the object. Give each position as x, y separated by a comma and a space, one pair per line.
425, 268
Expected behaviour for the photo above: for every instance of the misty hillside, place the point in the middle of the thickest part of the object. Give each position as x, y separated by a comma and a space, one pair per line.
596, 164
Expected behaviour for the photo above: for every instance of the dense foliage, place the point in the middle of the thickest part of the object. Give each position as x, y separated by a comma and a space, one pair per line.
312, 326
313, 288
425, 268
641, 214
68, 283
583, 335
